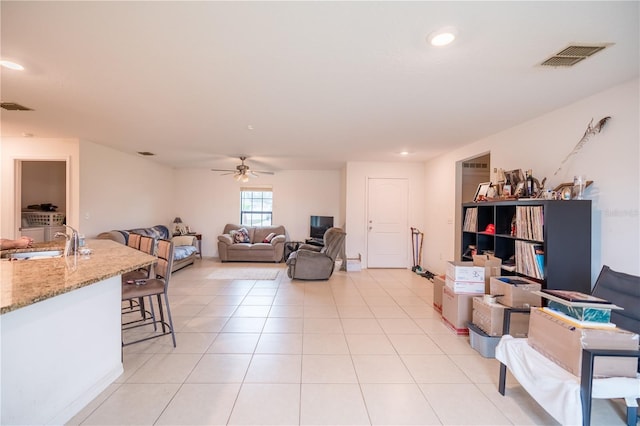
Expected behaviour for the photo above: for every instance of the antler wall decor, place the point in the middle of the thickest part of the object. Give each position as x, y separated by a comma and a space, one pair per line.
591, 130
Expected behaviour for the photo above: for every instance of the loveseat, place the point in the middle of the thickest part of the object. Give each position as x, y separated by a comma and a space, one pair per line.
185, 248
258, 244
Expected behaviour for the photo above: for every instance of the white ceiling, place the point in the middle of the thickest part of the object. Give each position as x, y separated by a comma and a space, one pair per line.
321, 83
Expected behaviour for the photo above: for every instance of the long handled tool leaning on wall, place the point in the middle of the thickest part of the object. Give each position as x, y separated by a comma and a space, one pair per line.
416, 241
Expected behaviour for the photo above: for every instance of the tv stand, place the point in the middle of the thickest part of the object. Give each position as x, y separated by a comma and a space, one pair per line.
319, 242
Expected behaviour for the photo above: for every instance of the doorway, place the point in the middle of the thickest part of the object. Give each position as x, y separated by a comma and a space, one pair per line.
469, 174
474, 172
41, 189
387, 223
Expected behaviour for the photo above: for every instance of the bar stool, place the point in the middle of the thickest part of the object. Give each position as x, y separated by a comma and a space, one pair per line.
158, 286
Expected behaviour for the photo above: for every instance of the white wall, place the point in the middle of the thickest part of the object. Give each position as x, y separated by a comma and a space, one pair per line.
357, 174
611, 159
44, 182
207, 201
12, 149
122, 191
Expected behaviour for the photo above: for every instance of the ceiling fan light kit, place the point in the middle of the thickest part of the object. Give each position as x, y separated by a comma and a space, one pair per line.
242, 171
241, 178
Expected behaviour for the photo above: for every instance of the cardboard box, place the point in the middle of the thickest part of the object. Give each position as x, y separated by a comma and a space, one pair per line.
354, 264
475, 287
489, 318
515, 291
464, 271
456, 310
492, 267
562, 342
438, 285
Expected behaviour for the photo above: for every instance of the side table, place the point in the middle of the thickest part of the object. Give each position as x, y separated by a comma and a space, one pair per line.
199, 239
290, 247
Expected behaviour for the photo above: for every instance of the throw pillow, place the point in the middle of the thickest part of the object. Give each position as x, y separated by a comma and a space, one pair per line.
240, 236
269, 237
183, 240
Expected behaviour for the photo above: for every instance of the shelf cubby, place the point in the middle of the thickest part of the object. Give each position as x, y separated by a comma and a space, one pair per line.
565, 228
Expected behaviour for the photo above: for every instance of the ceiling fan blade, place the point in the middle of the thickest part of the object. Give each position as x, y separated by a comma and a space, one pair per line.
222, 170
264, 172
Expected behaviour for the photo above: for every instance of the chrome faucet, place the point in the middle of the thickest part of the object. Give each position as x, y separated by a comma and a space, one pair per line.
72, 243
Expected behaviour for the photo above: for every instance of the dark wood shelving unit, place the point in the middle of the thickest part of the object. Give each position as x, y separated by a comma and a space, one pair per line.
566, 238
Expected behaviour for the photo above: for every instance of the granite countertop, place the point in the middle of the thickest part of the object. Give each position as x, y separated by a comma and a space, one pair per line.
25, 282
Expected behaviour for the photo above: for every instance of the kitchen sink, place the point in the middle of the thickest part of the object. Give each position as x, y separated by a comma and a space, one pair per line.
33, 255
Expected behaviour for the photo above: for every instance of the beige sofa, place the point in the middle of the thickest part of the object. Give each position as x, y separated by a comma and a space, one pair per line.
254, 251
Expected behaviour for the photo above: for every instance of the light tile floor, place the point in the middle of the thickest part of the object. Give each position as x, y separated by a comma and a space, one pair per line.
362, 348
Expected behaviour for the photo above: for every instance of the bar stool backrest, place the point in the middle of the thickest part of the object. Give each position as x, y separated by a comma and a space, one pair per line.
134, 240
165, 260
147, 244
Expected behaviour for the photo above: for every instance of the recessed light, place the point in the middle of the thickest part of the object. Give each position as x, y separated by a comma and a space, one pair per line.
442, 37
404, 153
11, 65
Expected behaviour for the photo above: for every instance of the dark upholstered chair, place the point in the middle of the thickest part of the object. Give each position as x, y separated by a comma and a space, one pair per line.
623, 290
309, 263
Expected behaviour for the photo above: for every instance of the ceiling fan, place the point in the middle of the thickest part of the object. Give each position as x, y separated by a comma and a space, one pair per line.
242, 171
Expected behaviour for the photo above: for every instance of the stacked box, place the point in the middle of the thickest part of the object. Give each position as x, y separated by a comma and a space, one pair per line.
563, 342
474, 287
515, 292
456, 310
492, 267
489, 318
464, 277
438, 285
464, 271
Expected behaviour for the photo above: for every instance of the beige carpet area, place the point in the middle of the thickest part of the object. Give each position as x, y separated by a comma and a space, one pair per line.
236, 273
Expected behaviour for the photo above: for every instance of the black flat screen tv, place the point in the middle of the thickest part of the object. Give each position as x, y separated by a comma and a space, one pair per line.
319, 225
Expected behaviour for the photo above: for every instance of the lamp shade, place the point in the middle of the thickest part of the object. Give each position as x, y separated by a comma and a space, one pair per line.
177, 220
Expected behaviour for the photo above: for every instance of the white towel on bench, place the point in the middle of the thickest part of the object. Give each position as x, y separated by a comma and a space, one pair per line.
553, 387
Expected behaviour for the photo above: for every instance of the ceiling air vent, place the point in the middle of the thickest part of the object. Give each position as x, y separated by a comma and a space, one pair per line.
571, 55
146, 153
12, 106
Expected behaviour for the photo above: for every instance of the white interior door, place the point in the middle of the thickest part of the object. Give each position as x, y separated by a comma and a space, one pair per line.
387, 223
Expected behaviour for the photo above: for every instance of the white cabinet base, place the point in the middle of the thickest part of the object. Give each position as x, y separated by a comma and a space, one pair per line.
60, 353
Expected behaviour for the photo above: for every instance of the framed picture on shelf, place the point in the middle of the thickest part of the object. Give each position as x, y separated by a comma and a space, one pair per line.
506, 190
514, 177
481, 192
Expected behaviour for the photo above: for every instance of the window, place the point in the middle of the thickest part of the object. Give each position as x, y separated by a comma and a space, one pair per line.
256, 206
